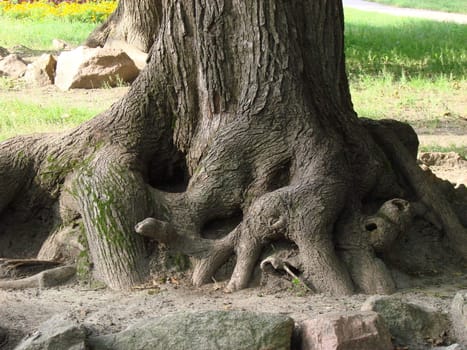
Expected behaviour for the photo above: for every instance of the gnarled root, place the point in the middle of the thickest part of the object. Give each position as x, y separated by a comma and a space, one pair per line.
44, 279
360, 238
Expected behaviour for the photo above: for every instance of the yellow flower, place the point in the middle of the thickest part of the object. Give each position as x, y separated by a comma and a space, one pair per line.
96, 11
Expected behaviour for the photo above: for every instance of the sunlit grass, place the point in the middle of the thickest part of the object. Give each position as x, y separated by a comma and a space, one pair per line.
459, 6
404, 48
407, 69
39, 35
17, 117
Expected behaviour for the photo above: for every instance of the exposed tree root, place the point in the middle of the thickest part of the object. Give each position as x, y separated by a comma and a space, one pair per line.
44, 279
15, 268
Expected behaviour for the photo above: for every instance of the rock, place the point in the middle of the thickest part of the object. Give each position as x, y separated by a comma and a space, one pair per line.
459, 316
89, 68
59, 332
138, 56
450, 347
60, 45
3, 52
205, 330
410, 324
12, 66
345, 331
42, 71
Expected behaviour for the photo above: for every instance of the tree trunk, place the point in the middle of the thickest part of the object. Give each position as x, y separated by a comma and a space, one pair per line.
133, 22
243, 115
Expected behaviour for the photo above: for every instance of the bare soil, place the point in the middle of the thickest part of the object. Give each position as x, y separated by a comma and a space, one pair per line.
105, 311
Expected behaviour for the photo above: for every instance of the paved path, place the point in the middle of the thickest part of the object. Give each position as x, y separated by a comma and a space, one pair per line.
398, 11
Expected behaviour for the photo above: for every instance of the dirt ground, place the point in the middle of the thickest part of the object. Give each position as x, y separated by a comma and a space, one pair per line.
107, 311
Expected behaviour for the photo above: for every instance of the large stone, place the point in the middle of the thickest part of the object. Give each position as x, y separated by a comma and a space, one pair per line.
459, 316
12, 66
90, 68
410, 324
345, 331
206, 330
42, 71
59, 332
138, 56
60, 45
450, 347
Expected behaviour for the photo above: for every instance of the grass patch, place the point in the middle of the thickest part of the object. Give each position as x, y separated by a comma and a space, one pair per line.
403, 48
17, 117
407, 69
459, 6
39, 35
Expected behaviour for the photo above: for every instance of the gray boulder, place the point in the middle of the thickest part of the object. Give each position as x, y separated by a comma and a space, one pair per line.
414, 325
345, 331
459, 316
206, 330
450, 347
58, 333
42, 71
90, 68
12, 66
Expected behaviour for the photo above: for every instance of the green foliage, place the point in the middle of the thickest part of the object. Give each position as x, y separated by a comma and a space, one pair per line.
459, 6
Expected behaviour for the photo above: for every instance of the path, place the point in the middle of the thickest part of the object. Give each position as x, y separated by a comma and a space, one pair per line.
406, 12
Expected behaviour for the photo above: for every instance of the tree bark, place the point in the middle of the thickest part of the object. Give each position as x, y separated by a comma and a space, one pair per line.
133, 22
243, 114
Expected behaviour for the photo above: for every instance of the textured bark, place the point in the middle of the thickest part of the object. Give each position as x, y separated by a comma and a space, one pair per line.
134, 22
242, 121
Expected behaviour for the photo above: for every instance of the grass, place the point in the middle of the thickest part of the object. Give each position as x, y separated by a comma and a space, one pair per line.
459, 6
26, 118
39, 35
382, 46
407, 69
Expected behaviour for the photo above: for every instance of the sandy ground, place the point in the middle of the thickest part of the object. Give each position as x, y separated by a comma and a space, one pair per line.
106, 311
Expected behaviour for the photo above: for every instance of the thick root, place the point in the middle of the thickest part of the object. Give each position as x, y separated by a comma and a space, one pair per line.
45, 279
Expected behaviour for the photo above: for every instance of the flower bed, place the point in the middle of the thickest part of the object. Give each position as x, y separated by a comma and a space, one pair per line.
73, 11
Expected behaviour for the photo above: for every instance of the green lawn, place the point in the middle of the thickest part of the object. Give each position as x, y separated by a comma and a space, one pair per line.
26, 118
407, 69
39, 35
459, 6
404, 48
